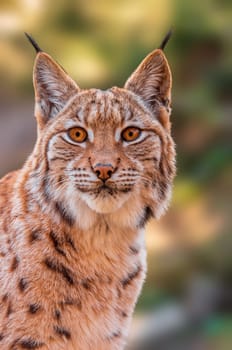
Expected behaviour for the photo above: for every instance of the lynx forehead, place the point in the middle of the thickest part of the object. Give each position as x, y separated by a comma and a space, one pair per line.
72, 251
112, 105
115, 108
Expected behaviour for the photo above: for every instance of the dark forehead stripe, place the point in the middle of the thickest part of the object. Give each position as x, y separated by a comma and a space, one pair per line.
86, 111
83, 105
124, 105
77, 114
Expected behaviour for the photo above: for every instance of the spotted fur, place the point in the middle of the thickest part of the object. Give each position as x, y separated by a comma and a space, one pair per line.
72, 252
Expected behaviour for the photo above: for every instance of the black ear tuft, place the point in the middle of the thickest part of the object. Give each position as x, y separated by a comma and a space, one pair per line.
33, 43
165, 40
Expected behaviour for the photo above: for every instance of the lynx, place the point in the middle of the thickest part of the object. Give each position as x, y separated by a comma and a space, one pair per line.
72, 251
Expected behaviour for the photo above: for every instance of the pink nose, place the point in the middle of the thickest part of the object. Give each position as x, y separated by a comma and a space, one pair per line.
103, 171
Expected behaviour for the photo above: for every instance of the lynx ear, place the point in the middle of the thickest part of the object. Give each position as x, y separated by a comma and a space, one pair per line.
152, 81
53, 88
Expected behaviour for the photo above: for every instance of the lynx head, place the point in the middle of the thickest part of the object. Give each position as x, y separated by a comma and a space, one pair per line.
106, 148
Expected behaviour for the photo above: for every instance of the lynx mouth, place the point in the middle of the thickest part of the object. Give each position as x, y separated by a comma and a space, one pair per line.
105, 190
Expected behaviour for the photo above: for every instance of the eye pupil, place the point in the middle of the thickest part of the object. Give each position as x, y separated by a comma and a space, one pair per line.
78, 134
131, 133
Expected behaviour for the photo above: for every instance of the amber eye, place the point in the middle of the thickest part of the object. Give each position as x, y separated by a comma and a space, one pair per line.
130, 134
77, 134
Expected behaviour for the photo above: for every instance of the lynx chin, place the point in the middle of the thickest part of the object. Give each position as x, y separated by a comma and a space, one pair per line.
72, 252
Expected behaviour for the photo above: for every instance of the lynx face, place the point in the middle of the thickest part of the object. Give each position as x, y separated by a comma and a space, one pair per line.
105, 148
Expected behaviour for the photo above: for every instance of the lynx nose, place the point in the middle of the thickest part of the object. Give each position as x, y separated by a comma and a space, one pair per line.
103, 171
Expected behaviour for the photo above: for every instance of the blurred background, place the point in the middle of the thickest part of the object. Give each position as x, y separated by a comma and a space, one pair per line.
186, 302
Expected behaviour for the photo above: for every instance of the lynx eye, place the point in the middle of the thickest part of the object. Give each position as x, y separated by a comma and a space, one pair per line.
131, 134
77, 134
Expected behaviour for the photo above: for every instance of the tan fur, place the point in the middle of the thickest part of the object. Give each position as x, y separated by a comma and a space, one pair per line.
72, 255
